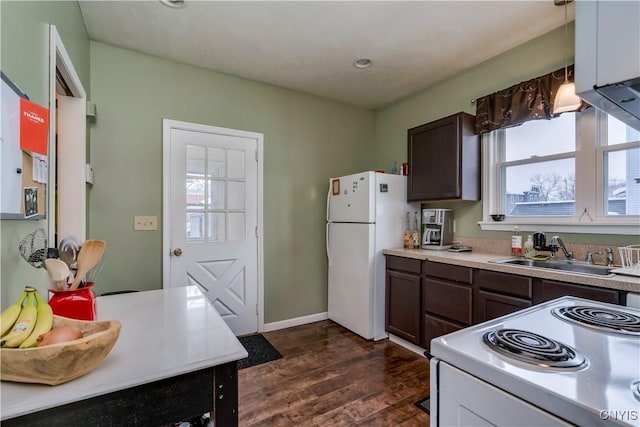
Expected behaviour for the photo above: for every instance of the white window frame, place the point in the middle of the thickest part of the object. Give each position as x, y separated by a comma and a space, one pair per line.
590, 190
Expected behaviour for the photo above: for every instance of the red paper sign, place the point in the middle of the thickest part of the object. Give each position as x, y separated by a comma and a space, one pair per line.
34, 127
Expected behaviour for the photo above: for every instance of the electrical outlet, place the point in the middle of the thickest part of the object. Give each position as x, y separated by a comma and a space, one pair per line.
145, 223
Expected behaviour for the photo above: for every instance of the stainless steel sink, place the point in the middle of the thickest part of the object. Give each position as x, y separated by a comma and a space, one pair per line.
568, 266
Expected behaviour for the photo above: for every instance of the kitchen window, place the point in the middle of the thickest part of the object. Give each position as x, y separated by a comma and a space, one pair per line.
578, 172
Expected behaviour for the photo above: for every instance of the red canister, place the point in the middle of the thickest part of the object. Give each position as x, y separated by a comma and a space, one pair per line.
74, 303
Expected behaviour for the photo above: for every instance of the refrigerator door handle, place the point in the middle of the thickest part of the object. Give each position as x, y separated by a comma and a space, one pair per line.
327, 242
328, 200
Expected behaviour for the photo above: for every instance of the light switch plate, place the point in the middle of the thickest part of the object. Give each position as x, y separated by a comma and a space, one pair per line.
145, 223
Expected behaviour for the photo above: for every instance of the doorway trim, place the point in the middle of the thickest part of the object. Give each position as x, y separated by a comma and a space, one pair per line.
167, 126
59, 60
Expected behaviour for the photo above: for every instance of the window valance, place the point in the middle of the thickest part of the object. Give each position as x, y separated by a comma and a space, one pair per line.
529, 100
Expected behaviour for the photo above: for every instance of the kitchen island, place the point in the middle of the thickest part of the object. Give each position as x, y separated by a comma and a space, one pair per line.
175, 359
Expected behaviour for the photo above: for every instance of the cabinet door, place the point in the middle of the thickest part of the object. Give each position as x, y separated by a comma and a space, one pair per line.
402, 312
444, 160
492, 305
545, 290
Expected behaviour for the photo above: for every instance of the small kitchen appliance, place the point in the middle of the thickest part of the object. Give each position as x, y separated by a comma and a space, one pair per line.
437, 229
569, 361
365, 214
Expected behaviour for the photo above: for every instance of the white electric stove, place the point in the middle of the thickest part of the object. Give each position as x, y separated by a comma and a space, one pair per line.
569, 361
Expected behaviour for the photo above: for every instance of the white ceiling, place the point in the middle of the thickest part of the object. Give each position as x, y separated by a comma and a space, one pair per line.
310, 46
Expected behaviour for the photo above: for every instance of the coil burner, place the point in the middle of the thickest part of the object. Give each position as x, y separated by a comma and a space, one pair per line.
533, 348
603, 319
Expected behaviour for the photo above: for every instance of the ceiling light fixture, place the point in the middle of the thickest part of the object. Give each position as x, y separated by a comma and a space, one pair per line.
566, 98
362, 63
173, 4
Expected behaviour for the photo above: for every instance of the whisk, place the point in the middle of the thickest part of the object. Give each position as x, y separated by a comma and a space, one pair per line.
33, 247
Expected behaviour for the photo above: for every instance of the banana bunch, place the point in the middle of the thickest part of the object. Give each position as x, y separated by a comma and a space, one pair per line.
22, 323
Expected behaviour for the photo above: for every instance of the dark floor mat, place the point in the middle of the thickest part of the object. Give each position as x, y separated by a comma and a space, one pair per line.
260, 351
424, 404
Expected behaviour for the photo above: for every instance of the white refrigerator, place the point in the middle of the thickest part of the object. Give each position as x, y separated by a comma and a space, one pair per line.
365, 214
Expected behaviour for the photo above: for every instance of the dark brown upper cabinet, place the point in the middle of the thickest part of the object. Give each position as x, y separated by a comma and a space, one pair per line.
444, 160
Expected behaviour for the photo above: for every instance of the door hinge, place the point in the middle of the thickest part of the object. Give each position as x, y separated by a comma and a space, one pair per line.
256, 155
256, 231
257, 309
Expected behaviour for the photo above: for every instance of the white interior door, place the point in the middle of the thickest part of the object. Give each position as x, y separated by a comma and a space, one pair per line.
212, 210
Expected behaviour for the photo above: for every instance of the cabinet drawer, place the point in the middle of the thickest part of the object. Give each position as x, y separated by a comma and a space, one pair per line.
454, 273
449, 300
434, 327
505, 283
403, 264
492, 305
545, 290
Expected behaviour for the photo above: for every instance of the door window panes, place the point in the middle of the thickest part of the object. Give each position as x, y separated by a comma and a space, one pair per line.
215, 194
216, 167
195, 227
235, 164
195, 193
236, 226
217, 228
236, 195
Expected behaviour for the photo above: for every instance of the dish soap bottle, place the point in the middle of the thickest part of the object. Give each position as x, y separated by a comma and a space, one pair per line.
528, 247
407, 238
516, 242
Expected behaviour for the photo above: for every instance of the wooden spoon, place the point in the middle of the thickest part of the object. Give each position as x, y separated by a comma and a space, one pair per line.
58, 271
89, 255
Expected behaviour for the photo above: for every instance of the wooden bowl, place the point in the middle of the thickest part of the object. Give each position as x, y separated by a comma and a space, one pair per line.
58, 363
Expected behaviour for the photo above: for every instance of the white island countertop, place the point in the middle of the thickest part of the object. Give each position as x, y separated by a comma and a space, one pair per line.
165, 333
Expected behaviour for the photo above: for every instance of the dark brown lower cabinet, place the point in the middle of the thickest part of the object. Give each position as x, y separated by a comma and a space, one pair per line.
403, 305
435, 327
491, 305
546, 290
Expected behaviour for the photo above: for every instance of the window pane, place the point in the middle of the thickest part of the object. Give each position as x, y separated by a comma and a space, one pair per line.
538, 189
216, 197
619, 133
195, 160
622, 181
217, 227
195, 227
216, 163
195, 193
541, 138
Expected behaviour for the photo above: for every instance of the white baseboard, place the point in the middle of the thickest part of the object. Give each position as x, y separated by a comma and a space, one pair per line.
406, 344
274, 326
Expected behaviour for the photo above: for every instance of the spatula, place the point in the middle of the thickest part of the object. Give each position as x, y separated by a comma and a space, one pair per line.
58, 271
89, 255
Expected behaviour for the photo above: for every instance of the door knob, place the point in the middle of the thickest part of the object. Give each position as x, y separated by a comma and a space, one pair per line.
177, 251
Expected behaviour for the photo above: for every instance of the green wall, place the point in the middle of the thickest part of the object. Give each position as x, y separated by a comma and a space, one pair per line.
306, 140
24, 40
537, 57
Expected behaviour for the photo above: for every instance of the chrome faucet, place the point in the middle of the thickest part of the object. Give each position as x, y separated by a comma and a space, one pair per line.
589, 258
557, 242
609, 255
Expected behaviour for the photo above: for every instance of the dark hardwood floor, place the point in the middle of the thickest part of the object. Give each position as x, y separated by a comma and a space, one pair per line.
329, 376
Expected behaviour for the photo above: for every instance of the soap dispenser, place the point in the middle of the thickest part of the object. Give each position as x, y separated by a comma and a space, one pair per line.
529, 251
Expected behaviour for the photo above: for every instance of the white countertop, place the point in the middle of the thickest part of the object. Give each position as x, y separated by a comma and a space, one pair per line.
481, 260
164, 333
